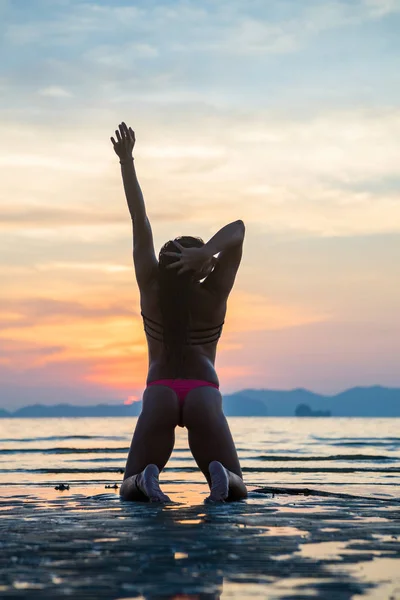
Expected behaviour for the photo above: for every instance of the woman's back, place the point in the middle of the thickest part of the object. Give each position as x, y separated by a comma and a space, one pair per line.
207, 314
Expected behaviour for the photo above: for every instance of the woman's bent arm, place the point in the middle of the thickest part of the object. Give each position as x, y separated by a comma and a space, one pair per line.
229, 236
227, 242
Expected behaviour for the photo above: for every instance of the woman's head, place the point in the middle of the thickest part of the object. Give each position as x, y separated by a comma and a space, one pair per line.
187, 241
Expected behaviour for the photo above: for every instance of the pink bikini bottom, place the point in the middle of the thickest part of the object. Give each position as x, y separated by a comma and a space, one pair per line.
182, 387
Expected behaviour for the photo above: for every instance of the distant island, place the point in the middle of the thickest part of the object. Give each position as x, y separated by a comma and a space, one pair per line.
374, 401
303, 410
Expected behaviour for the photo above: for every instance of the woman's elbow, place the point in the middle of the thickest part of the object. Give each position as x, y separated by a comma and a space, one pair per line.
242, 227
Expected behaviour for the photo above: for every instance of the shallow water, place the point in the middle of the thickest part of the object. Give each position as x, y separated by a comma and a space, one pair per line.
355, 455
87, 543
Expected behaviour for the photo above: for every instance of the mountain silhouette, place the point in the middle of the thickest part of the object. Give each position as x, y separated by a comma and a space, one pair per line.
374, 401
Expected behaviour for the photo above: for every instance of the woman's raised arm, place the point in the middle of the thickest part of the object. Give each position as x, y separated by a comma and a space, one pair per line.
143, 248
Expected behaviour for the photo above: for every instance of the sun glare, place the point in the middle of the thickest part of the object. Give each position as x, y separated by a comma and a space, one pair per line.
131, 400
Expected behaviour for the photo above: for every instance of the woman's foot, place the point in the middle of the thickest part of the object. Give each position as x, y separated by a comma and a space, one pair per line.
219, 482
143, 487
147, 482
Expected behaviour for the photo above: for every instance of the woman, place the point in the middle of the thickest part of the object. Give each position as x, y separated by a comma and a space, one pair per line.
183, 300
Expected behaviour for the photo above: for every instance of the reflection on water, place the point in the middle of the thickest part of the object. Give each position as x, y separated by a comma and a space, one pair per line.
278, 531
254, 548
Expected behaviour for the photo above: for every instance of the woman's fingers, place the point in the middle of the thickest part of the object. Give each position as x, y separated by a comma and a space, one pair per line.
177, 244
178, 265
183, 270
123, 133
124, 130
129, 132
174, 265
172, 253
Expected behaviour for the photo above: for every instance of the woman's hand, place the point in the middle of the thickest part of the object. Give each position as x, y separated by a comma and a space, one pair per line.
125, 142
190, 259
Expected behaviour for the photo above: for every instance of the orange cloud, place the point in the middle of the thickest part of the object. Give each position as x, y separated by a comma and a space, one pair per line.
120, 373
106, 339
254, 312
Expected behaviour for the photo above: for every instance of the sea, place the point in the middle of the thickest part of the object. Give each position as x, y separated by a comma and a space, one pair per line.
337, 539
353, 455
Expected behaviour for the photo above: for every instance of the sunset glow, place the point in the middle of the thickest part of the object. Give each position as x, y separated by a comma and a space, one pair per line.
285, 115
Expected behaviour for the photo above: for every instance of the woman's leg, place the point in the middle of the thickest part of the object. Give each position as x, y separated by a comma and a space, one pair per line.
152, 444
211, 443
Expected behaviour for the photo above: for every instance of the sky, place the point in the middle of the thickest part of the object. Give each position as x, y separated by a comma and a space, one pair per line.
285, 114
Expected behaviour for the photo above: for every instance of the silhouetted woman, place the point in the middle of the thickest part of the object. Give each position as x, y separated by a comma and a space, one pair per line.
183, 300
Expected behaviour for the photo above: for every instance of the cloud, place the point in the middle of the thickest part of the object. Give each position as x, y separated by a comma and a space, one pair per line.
183, 151
254, 312
227, 26
35, 368
341, 278
309, 174
298, 174
96, 343
381, 8
66, 23
32, 380
48, 308
54, 91
325, 357
49, 217
12, 349
340, 145
119, 373
121, 56
80, 266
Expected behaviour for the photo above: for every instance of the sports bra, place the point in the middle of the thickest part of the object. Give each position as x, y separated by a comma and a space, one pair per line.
196, 336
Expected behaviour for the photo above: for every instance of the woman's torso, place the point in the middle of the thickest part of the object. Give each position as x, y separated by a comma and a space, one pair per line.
207, 313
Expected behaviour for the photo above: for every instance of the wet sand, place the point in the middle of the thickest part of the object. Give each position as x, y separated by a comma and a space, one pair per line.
87, 543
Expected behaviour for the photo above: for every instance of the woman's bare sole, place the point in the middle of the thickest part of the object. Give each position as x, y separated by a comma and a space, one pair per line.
224, 484
144, 485
219, 482
147, 482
